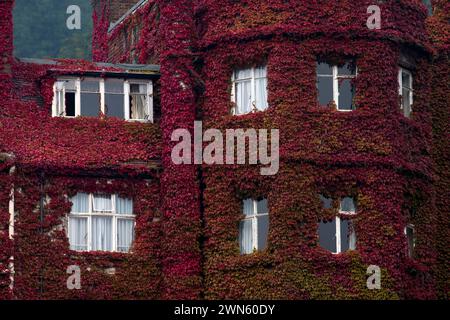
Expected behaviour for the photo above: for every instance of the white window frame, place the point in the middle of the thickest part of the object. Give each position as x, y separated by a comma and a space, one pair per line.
335, 75
338, 230
126, 93
253, 78
411, 90
254, 219
110, 214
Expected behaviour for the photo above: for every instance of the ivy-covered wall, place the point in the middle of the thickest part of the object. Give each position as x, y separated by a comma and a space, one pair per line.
187, 216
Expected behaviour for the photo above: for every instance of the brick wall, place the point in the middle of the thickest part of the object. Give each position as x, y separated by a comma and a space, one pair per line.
117, 7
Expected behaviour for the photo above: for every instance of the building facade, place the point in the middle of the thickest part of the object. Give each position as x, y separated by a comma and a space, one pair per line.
89, 185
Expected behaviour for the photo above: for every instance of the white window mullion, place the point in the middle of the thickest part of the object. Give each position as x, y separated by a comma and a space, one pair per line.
338, 235
253, 86
150, 101
336, 86
126, 91
78, 97
102, 96
255, 225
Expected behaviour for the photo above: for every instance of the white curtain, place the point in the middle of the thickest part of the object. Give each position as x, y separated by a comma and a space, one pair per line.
261, 88
138, 107
249, 209
125, 234
102, 203
246, 236
78, 234
124, 206
101, 234
80, 203
243, 97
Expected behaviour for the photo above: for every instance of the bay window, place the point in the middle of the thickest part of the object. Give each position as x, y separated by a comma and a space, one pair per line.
101, 222
249, 90
124, 99
254, 228
335, 83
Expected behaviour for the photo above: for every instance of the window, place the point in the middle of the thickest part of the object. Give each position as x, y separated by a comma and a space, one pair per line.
101, 222
405, 80
130, 100
249, 91
335, 83
411, 239
64, 98
254, 228
338, 235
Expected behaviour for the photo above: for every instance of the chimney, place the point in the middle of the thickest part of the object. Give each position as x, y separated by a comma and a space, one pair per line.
6, 47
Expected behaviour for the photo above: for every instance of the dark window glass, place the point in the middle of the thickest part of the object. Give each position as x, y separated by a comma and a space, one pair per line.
346, 94
327, 235
326, 202
70, 104
324, 83
262, 206
345, 234
263, 231
114, 105
90, 104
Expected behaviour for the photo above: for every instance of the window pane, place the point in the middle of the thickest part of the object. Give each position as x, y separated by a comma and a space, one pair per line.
125, 234
344, 235
114, 105
348, 205
411, 241
102, 203
261, 72
78, 234
243, 97
324, 69
90, 86
261, 94
243, 74
325, 90
80, 203
406, 80
124, 206
263, 232
246, 236
249, 209
138, 107
69, 85
262, 206
138, 88
327, 235
113, 86
347, 69
326, 202
101, 233
70, 104
90, 104
346, 93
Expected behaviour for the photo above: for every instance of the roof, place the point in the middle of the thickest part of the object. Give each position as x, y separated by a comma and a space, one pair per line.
128, 13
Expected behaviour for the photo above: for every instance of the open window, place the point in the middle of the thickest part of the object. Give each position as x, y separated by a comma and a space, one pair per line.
249, 90
254, 228
64, 98
336, 84
405, 82
101, 222
338, 234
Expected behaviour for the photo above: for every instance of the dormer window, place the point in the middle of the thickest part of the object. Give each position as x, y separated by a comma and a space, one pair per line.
124, 99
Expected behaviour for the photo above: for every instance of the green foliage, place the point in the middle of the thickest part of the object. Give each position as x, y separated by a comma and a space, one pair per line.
40, 29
